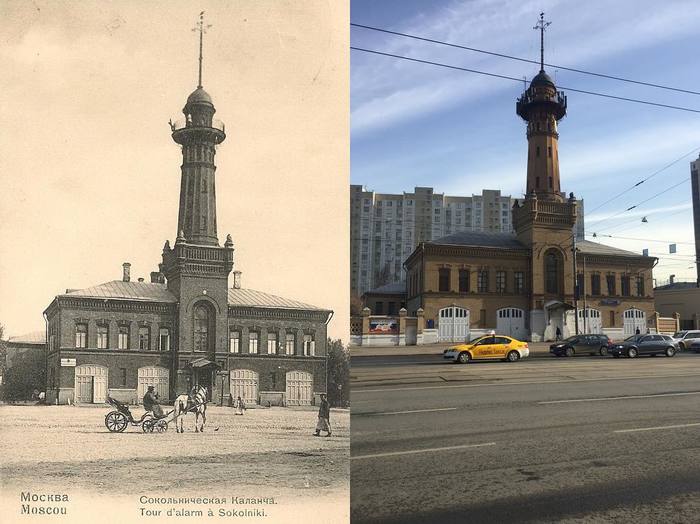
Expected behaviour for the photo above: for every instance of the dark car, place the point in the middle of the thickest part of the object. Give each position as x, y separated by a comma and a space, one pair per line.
581, 344
644, 345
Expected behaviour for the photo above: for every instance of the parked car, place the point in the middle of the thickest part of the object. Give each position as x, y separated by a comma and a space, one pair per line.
644, 345
581, 344
695, 346
686, 338
488, 347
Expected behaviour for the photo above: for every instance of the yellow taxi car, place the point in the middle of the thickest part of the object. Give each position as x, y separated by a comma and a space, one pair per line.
490, 346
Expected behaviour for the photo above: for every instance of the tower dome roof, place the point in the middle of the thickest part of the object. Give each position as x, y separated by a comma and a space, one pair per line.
199, 96
542, 79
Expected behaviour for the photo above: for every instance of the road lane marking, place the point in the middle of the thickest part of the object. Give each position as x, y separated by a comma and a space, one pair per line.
404, 412
416, 451
602, 399
675, 426
523, 383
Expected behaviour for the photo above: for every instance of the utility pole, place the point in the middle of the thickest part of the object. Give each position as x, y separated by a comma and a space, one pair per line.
583, 291
573, 248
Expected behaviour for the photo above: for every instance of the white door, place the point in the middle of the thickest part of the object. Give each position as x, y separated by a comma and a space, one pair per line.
157, 377
633, 320
453, 324
510, 321
244, 384
589, 321
91, 384
300, 388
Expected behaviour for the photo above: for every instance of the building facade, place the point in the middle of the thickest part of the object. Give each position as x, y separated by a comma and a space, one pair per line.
681, 299
186, 325
539, 279
386, 228
695, 186
25, 366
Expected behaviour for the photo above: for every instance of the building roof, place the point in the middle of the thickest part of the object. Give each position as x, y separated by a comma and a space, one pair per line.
594, 248
677, 286
153, 292
480, 239
394, 288
252, 298
118, 289
35, 337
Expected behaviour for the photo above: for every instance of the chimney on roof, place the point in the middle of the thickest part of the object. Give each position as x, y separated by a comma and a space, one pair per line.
157, 277
671, 278
126, 277
236, 280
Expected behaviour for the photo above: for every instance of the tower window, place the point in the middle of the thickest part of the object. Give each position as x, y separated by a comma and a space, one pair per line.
550, 182
549, 151
537, 153
201, 328
537, 182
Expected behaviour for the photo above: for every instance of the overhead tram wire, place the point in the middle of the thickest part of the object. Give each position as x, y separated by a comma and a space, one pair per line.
505, 77
644, 179
642, 239
510, 57
643, 201
637, 222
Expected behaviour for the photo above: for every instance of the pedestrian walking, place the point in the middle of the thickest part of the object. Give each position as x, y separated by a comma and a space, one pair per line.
239, 405
324, 413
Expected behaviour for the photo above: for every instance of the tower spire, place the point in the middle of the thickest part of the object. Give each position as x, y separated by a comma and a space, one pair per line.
541, 25
202, 29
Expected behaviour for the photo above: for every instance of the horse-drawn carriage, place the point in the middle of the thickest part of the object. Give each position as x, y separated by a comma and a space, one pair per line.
119, 419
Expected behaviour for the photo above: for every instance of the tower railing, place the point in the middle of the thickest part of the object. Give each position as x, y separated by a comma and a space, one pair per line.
183, 123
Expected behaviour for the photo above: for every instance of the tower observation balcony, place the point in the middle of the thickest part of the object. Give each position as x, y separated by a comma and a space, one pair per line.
184, 131
541, 100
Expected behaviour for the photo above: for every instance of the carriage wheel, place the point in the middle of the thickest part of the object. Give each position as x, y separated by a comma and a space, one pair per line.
116, 421
161, 426
147, 425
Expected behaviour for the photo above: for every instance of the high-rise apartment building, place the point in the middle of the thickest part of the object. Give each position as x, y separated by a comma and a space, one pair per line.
386, 228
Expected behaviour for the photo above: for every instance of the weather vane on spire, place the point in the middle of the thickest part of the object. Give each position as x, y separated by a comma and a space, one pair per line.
541, 25
202, 29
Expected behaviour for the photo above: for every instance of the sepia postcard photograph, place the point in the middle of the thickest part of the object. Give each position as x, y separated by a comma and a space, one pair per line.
525, 226
174, 265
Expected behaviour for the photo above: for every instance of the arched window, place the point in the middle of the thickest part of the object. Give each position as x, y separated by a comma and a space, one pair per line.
551, 272
201, 328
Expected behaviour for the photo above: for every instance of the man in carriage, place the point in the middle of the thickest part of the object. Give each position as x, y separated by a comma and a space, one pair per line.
150, 403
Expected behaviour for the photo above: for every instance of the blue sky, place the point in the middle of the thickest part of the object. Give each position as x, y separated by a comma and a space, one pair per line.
416, 124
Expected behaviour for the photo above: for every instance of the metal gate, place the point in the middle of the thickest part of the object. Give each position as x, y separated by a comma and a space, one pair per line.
589, 321
510, 321
244, 384
90, 384
157, 377
633, 320
453, 324
300, 385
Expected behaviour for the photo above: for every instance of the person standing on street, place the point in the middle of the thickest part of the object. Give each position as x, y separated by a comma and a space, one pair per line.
324, 413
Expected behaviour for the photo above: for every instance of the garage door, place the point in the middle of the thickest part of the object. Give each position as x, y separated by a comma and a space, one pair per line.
90, 384
633, 320
157, 377
300, 388
244, 384
453, 324
510, 321
589, 321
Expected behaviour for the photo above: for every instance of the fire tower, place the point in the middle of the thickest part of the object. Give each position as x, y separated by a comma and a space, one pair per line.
542, 106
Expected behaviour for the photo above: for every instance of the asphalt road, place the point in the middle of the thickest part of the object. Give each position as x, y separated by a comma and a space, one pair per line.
540, 440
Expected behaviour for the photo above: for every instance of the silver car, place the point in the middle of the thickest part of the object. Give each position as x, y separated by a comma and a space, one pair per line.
686, 338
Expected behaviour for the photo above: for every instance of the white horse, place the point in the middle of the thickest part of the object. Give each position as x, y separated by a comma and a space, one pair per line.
196, 402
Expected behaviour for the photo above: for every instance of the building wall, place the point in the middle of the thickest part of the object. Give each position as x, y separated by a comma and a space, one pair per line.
685, 301
695, 185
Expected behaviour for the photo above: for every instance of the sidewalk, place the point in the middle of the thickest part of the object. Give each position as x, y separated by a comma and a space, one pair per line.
536, 349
